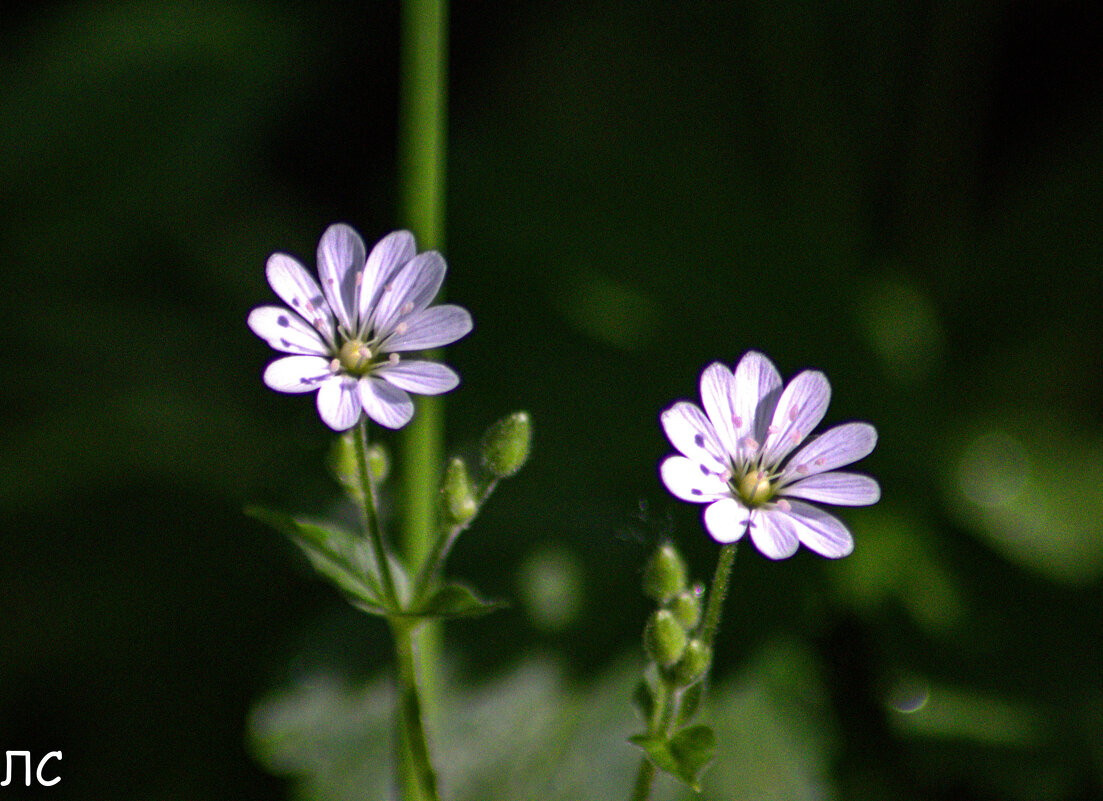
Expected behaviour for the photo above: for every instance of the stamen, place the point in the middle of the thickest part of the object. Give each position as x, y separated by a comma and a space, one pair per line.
334, 365
819, 462
783, 505
407, 307
400, 329
737, 420
388, 287
802, 469
750, 443
772, 430
359, 278
794, 413
393, 358
795, 437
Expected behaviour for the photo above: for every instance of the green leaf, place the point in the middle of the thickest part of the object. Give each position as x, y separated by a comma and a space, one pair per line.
643, 699
684, 755
454, 600
339, 556
690, 703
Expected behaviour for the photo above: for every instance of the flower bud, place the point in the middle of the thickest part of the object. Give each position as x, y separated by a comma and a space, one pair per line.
686, 607
459, 502
506, 444
665, 574
694, 663
342, 462
664, 639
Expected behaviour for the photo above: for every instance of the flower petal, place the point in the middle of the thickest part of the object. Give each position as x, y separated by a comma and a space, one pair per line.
799, 410
286, 331
686, 480
424, 378
757, 386
341, 258
841, 489
409, 291
690, 431
300, 291
835, 447
717, 395
429, 328
339, 402
297, 373
388, 256
385, 404
819, 531
726, 520
774, 534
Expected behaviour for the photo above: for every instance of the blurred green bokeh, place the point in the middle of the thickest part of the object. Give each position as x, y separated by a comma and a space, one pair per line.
903, 195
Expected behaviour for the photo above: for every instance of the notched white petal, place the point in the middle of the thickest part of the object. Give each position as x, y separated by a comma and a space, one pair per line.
756, 388
773, 534
298, 289
388, 256
840, 489
385, 403
691, 481
285, 331
691, 432
341, 257
717, 396
339, 402
433, 327
836, 447
726, 520
819, 531
297, 373
801, 407
409, 291
422, 377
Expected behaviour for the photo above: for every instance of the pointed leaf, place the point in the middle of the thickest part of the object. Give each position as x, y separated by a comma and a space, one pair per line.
644, 700
454, 600
691, 702
683, 756
339, 556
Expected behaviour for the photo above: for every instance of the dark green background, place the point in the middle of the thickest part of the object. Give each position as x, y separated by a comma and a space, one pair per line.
904, 195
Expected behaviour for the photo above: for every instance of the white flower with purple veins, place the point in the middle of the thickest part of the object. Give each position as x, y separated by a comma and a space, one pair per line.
346, 336
736, 458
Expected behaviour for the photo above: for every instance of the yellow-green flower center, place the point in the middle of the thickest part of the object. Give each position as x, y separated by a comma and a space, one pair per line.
754, 488
355, 357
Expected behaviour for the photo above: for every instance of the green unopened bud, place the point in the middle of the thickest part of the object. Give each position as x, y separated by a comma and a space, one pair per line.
694, 663
686, 607
459, 502
506, 444
665, 574
379, 464
664, 639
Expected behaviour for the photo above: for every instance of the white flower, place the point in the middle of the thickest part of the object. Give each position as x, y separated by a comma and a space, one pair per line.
736, 458
346, 336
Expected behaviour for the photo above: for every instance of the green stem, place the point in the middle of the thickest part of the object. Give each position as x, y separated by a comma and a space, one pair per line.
419, 780
434, 562
422, 150
422, 137
641, 791
371, 517
717, 593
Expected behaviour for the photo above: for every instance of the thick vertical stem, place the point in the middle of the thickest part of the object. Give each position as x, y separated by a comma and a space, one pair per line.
422, 151
416, 769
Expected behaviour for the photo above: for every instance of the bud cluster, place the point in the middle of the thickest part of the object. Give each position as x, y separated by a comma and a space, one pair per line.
671, 635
